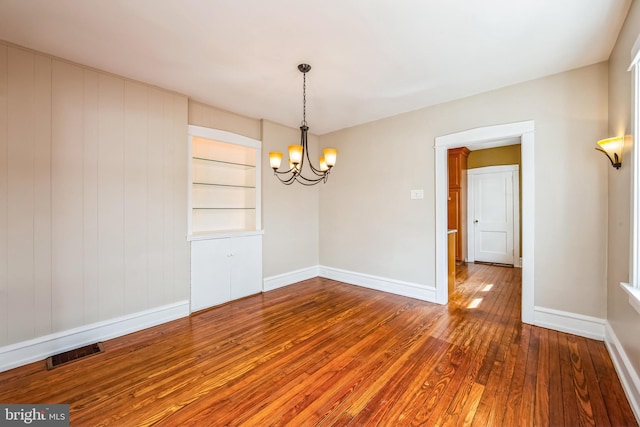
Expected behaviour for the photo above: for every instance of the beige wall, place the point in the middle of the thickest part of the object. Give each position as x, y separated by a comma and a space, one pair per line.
369, 225
497, 156
92, 196
624, 320
290, 212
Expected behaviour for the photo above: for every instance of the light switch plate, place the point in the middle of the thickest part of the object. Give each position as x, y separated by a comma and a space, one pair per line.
417, 194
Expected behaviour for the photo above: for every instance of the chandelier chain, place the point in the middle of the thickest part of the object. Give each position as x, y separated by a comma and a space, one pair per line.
304, 99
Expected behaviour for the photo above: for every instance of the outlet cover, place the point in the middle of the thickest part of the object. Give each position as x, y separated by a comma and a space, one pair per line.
417, 194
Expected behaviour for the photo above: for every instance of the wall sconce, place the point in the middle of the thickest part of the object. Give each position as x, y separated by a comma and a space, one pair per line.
612, 148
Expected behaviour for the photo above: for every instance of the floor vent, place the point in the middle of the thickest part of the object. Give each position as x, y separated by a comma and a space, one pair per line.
75, 354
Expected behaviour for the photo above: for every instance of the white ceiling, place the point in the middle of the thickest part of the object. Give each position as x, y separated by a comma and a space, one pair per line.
370, 58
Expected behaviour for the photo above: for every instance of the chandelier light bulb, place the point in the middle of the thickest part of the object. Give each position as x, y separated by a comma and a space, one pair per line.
275, 159
330, 156
295, 154
323, 165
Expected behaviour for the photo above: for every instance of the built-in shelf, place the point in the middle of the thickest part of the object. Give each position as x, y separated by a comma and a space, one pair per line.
223, 162
224, 185
224, 182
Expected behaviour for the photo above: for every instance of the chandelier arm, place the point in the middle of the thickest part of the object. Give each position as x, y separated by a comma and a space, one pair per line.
287, 181
301, 179
305, 149
277, 172
309, 182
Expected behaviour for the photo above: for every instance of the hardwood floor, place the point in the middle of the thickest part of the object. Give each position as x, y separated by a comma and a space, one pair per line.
325, 353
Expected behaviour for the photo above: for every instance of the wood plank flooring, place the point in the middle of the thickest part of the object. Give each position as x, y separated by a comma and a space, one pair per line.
325, 353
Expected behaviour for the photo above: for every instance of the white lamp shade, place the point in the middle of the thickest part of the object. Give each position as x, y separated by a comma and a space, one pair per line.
612, 146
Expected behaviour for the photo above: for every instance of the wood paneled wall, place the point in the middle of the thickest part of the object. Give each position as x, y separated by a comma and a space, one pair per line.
93, 196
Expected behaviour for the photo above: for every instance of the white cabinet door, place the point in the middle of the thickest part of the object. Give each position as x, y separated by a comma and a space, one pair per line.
225, 269
210, 283
246, 266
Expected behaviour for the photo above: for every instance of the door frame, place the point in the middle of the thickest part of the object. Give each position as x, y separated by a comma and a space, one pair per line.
471, 173
481, 138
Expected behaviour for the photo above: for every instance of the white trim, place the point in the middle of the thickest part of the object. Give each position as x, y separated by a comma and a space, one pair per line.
286, 279
635, 185
223, 235
398, 287
635, 53
514, 169
189, 183
14, 355
626, 372
634, 295
571, 323
480, 137
392, 286
493, 169
224, 136
528, 226
486, 135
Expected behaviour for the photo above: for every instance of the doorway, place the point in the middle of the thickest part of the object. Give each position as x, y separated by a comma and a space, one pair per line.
483, 137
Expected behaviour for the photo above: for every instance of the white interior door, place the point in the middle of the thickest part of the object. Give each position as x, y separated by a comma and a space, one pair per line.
493, 215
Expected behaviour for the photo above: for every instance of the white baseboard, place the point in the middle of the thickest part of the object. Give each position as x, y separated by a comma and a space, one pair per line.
626, 372
280, 280
407, 289
14, 355
571, 323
